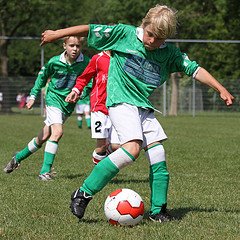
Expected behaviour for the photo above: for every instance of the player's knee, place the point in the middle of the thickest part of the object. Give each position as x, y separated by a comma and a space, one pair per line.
56, 135
133, 147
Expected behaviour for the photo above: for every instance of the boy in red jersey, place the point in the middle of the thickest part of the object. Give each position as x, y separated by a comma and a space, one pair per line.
100, 123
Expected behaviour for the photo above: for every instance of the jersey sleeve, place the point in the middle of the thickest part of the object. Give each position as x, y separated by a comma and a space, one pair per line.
181, 63
87, 91
42, 78
89, 72
105, 37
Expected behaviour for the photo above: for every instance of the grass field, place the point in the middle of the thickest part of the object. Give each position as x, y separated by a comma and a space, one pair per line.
203, 161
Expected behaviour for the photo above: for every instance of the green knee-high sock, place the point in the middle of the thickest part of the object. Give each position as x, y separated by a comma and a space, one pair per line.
49, 155
79, 121
88, 120
158, 180
100, 176
27, 151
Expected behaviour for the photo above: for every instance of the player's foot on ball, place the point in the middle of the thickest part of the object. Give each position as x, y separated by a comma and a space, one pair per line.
79, 202
162, 216
12, 165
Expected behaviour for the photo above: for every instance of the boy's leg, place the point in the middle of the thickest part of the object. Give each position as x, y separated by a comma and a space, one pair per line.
32, 147
98, 179
87, 115
79, 121
130, 136
100, 123
19, 156
100, 151
105, 171
113, 141
55, 120
88, 120
51, 148
158, 180
27, 151
97, 157
49, 155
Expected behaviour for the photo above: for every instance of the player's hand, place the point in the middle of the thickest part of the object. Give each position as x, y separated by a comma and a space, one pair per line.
29, 104
48, 36
72, 97
227, 97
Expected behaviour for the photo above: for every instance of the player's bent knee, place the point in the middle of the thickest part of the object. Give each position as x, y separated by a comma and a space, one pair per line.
121, 158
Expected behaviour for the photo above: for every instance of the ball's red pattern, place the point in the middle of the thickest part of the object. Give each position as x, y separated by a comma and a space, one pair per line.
115, 193
113, 222
124, 207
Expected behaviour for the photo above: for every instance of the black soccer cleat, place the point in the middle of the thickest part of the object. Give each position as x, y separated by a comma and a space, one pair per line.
79, 203
162, 216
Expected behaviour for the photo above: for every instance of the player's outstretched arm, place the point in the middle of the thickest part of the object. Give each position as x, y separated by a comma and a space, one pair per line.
50, 36
72, 97
205, 77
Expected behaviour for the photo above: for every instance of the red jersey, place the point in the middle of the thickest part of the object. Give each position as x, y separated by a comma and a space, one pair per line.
98, 70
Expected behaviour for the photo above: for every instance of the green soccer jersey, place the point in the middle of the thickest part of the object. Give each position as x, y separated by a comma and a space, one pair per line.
63, 78
134, 71
86, 94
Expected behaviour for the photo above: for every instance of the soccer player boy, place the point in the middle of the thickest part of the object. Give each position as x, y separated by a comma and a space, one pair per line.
102, 130
141, 61
63, 70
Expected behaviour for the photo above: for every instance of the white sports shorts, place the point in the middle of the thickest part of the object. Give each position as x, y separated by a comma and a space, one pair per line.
135, 123
82, 108
54, 115
101, 127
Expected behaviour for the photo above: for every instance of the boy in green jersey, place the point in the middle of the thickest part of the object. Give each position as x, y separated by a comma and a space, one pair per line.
63, 71
141, 61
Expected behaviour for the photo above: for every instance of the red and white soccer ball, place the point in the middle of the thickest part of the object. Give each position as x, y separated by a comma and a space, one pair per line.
124, 207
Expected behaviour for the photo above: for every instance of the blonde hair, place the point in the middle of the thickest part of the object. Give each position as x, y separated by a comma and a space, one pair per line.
81, 39
163, 20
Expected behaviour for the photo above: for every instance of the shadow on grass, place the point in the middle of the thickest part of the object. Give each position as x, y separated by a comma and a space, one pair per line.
180, 213
69, 176
120, 181
85, 220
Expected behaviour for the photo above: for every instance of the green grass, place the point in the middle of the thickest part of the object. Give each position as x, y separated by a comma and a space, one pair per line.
203, 161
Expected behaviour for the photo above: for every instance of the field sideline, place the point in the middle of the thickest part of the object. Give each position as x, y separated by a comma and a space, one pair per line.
203, 161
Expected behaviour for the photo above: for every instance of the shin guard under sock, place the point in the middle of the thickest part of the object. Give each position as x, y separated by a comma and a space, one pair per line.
27, 151
158, 180
49, 155
102, 173
88, 120
106, 170
158, 177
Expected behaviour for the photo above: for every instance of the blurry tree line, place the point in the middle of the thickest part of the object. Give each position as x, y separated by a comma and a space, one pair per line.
210, 19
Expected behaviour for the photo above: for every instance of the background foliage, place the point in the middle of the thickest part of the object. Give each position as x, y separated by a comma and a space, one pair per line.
211, 20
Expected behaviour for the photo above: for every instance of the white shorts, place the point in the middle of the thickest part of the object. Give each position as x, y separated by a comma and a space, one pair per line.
135, 123
82, 108
54, 115
101, 127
